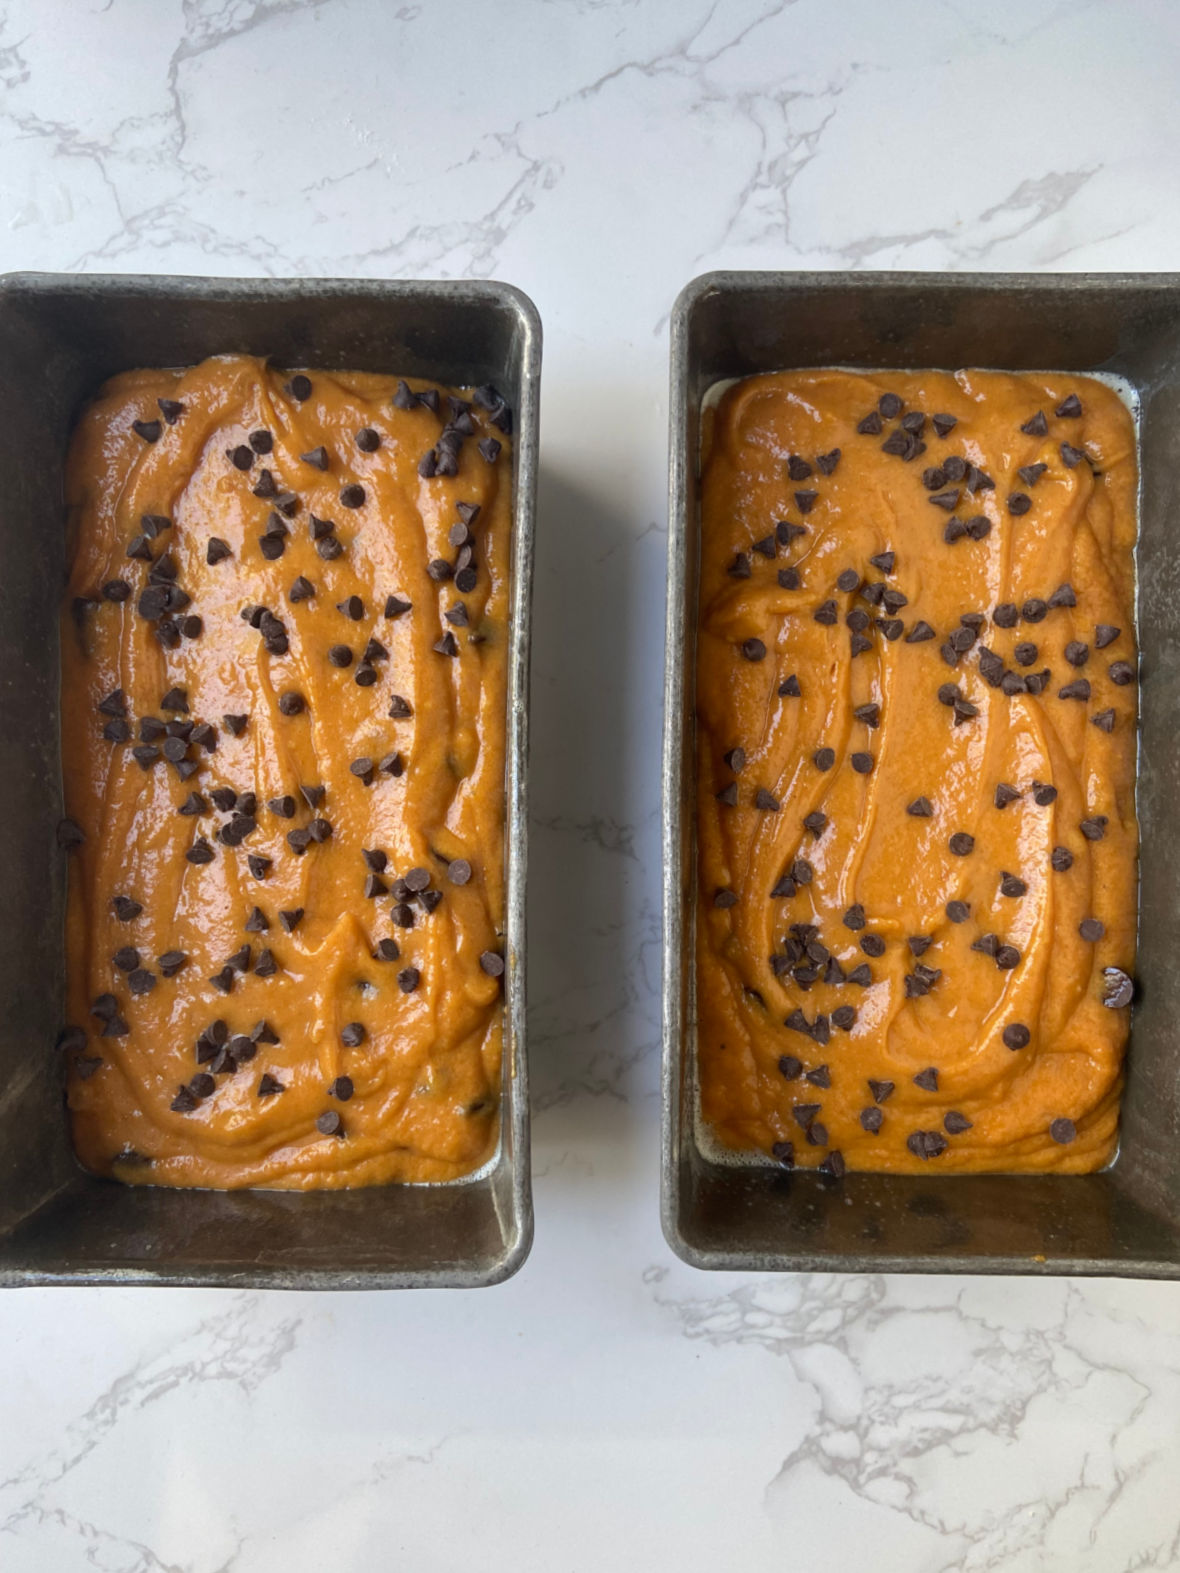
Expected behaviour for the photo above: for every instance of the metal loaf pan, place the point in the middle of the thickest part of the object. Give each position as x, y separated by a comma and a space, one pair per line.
60, 337
1126, 1220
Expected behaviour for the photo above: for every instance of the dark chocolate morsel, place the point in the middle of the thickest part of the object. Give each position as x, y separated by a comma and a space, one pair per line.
1016, 1036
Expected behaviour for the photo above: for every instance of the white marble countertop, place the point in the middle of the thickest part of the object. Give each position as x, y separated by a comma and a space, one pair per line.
609, 1408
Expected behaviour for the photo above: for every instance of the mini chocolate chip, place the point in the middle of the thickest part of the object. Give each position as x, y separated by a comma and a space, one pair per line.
408, 979
871, 425
927, 1079
1078, 689
1030, 474
869, 714
862, 763
1018, 503
858, 644
352, 496
872, 945
987, 944
1071, 457
848, 580
955, 1123
1007, 957
368, 440
884, 561
789, 688
1016, 1036
861, 975
1103, 720
958, 911
805, 501
844, 1017
291, 703
1121, 673
1104, 634
827, 613
1094, 829
234, 724
735, 760
1061, 859
826, 463
728, 795
920, 631
1043, 793
920, 808
1091, 930
1118, 988
766, 801
1077, 653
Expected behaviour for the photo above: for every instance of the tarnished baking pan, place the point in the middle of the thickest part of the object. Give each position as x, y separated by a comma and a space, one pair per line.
1126, 1220
60, 337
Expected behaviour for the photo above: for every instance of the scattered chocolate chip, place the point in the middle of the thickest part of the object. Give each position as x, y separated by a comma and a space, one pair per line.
766, 801
1095, 828
871, 425
352, 495
492, 962
1091, 930
926, 1144
1061, 859
258, 865
1043, 793
920, 808
447, 646
955, 1123
1104, 634
872, 945
1007, 957
1078, 689
1121, 673
728, 795
958, 911
171, 962
408, 979
827, 613
291, 703
805, 501
1118, 988
927, 1079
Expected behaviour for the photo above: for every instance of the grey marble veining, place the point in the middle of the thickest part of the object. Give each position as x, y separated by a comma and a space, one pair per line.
609, 1408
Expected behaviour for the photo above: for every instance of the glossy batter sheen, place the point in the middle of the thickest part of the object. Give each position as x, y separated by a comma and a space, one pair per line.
793, 1061
420, 1092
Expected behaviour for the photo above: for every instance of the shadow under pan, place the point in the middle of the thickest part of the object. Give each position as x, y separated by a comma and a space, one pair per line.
1124, 1221
60, 338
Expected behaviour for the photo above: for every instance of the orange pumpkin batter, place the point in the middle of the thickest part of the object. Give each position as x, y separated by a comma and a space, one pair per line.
916, 774
284, 655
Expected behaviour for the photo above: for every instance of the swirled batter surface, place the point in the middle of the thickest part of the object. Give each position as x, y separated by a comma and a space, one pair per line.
916, 717
284, 654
